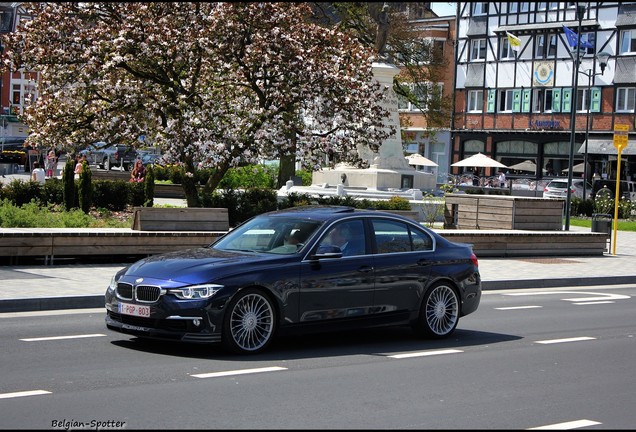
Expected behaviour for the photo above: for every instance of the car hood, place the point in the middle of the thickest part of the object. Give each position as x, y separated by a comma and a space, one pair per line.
195, 265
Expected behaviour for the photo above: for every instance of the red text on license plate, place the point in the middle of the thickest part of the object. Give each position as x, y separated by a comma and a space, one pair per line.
134, 310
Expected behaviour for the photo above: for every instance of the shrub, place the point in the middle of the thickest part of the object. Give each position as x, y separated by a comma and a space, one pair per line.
85, 188
68, 178
149, 187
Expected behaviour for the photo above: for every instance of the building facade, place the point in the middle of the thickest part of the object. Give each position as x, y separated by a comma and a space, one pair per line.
519, 84
16, 88
432, 142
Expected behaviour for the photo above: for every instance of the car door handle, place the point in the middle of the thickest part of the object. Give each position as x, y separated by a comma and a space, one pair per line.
365, 269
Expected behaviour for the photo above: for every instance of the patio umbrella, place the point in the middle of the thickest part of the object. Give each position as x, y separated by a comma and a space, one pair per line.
418, 159
526, 165
479, 160
578, 168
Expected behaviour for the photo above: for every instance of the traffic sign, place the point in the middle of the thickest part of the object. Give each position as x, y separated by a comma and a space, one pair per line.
621, 135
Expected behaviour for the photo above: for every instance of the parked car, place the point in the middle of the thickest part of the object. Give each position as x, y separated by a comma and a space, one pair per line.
627, 189
107, 156
251, 285
558, 188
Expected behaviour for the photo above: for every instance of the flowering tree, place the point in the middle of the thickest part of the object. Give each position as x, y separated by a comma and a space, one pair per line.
212, 84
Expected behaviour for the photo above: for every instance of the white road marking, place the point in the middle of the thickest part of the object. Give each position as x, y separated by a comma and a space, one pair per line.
23, 394
554, 341
518, 307
238, 372
424, 353
594, 303
567, 425
62, 337
599, 296
52, 312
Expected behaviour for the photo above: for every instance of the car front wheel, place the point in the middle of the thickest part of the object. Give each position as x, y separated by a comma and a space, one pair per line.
249, 323
439, 313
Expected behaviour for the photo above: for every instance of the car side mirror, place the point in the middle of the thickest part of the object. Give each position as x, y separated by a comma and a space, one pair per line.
327, 252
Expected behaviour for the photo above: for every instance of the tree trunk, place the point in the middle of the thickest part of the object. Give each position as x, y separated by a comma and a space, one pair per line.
216, 177
286, 170
190, 186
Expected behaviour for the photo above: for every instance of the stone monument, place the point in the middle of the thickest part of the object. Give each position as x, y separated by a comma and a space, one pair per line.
388, 168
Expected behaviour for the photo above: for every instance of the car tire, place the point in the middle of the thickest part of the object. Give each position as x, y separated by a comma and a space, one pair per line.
249, 322
439, 313
107, 164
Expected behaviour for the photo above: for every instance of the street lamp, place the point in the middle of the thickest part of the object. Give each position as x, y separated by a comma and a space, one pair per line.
580, 11
602, 58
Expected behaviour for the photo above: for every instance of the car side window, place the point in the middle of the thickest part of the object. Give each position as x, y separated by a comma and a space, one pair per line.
348, 236
395, 237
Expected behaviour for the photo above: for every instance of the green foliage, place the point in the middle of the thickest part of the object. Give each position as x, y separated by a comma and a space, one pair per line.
53, 191
22, 192
250, 176
68, 178
255, 201
306, 176
606, 205
149, 186
32, 215
85, 188
113, 195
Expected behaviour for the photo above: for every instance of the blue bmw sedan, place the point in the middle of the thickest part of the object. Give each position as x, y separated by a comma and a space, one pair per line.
303, 269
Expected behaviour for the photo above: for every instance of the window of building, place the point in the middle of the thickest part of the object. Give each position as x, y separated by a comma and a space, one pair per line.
524, 6
546, 46
422, 93
628, 42
625, 99
541, 6
478, 49
591, 39
16, 95
480, 8
512, 7
506, 50
583, 100
505, 100
542, 100
475, 101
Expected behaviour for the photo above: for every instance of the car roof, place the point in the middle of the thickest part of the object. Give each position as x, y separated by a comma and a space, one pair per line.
326, 212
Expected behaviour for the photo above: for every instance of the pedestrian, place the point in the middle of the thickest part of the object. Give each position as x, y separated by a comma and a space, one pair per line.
138, 173
38, 174
51, 163
502, 179
79, 166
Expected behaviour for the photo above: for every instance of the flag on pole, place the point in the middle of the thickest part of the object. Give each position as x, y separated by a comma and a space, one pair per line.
574, 39
514, 41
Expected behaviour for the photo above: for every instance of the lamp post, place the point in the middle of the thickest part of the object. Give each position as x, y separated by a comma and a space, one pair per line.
602, 58
580, 11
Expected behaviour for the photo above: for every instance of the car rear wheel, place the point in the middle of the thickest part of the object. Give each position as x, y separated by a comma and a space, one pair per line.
439, 313
249, 322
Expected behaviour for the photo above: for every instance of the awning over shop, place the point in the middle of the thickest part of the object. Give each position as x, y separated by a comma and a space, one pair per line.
606, 146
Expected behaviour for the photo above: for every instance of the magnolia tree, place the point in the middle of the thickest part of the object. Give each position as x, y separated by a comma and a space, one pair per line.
212, 84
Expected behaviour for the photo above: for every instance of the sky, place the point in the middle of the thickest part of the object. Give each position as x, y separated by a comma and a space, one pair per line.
444, 9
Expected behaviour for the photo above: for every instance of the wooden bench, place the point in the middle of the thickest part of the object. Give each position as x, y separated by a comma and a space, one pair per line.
180, 219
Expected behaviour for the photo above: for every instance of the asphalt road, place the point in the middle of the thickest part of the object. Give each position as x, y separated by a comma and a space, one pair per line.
555, 358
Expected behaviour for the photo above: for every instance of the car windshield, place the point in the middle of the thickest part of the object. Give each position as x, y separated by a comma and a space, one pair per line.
558, 185
276, 235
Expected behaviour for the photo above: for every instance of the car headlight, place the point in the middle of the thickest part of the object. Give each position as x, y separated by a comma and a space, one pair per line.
195, 292
113, 283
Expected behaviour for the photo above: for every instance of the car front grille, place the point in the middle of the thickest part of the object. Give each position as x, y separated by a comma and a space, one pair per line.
141, 293
161, 324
